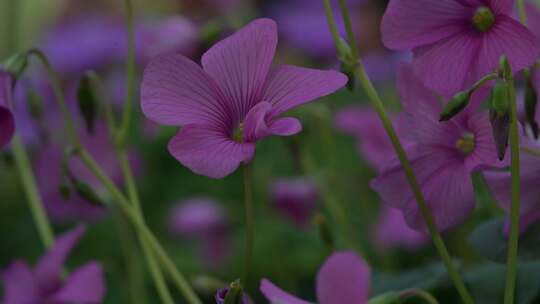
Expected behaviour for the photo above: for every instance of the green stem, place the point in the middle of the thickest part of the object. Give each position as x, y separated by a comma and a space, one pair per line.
130, 72
248, 206
418, 293
30, 188
522, 13
376, 102
348, 28
513, 240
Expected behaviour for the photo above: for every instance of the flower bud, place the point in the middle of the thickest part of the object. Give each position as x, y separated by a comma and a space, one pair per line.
87, 101
16, 65
456, 104
499, 115
531, 98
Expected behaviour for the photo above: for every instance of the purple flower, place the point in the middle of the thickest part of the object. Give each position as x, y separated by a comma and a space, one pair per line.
295, 198
343, 278
7, 123
391, 231
44, 283
233, 101
204, 219
222, 293
533, 18
443, 155
456, 42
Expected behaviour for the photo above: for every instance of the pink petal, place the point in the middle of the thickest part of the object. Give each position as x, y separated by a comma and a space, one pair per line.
447, 66
533, 18
408, 24
277, 296
343, 278
501, 7
240, 64
19, 284
208, 151
391, 231
485, 152
289, 86
176, 91
286, 126
49, 266
258, 124
84, 285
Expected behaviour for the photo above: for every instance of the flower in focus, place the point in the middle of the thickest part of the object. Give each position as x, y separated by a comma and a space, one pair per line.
205, 220
233, 101
343, 278
222, 293
44, 283
456, 42
442, 154
295, 199
391, 231
7, 123
49, 176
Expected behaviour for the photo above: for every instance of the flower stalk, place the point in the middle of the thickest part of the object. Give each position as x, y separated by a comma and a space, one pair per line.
376, 102
248, 208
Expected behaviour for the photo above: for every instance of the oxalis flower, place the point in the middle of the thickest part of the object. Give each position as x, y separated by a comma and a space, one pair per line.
231, 102
7, 123
295, 199
456, 42
442, 154
343, 278
44, 283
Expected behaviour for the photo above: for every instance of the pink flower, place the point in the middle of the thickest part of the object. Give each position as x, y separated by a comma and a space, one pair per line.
343, 278
442, 154
295, 198
456, 42
44, 283
7, 123
233, 101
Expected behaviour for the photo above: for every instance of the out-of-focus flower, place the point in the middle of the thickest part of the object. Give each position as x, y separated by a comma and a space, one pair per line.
50, 177
391, 231
443, 156
44, 283
456, 42
7, 123
205, 220
343, 278
533, 18
295, 198
233, 101
222, 293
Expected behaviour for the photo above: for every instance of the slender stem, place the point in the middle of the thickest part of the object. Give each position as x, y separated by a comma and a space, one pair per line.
130, 71
513, 240
418, 293
522, 13
248, 207
376, 101
348, 27
30, 188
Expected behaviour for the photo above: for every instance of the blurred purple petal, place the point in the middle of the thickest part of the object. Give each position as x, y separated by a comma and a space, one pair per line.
391, 231
197, 217
276, 296
84, 285
295, 198
20, 286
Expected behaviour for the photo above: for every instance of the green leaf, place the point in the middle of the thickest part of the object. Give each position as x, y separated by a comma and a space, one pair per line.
425, 277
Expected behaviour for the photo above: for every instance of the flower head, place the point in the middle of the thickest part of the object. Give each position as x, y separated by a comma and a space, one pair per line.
295, 198
44, 283
442, 154
7, 123
231, 102
456, 42
343, 278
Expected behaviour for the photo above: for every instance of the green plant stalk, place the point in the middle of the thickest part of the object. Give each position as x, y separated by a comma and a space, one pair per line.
249, 229
522, 12
130, 72
418, 293
376, 102
513, 240
122, 201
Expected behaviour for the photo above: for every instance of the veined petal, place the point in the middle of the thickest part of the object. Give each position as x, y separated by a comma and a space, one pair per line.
208, 151
343, 278
289, 86
240, 64
285, 126
48, 268
277, 296
484, 154
408, 24
19, 284
84, 285
258, 124
176, 91
501, 7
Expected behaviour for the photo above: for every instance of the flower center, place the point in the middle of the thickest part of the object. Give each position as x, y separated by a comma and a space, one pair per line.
466, 143
238, 134
483, 19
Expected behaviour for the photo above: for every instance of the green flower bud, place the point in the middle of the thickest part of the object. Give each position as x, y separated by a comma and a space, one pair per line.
87, 101
456, 104
499, 115
16, 64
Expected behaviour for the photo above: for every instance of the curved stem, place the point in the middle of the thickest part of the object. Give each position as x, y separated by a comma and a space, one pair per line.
248, 207
418, 293
130, 71
513, 240
376, 102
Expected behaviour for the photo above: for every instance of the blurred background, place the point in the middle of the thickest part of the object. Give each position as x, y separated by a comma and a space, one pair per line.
311, 191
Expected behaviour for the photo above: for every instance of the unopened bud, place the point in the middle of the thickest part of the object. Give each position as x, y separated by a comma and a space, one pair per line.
456, 104
499, 115
531, 97
88, 104
16, 65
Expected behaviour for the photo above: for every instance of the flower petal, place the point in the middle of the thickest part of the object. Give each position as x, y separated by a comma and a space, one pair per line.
391, 231
289, 86
176, 91
208, 151
84, 285
277, 296
408, 24
485, 151
19, 284
286, 126
7, 122
501, 7
258, 124
240, 64
343, 278
49, 266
